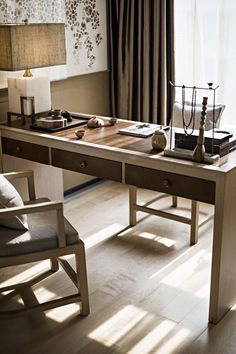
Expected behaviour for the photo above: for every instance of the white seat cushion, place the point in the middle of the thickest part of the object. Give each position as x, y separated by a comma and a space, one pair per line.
41, 235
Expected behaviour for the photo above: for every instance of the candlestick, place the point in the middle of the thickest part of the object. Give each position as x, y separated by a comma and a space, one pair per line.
199, 151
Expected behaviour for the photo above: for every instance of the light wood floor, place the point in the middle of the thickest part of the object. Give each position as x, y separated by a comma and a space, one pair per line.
149, 290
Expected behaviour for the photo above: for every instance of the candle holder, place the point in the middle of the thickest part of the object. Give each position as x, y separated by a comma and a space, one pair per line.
199, 151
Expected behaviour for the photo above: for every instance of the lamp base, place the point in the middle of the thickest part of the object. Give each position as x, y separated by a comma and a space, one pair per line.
27, 73
29, 95
22, 115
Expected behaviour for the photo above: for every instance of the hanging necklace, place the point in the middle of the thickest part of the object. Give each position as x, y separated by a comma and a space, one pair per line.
191, 121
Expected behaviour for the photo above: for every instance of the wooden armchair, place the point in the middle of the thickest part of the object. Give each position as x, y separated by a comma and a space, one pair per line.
49, 236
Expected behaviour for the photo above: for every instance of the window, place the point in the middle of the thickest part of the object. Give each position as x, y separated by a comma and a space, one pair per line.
205, 51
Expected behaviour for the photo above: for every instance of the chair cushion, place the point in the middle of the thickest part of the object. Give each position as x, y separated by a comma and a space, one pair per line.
41, 235
9, 197
177, 115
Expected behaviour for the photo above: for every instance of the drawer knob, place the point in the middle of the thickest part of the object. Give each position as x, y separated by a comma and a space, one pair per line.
83, 164
18, 149
166, 183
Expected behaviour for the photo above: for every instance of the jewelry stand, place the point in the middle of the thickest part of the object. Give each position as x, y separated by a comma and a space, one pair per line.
199, 154
22, 115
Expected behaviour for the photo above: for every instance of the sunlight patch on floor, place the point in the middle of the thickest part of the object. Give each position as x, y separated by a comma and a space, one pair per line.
41, 294
118, 325
203, 292
62, 313
120, 328
233, 308
153, 338
169, 264
160, 239
174, 342
26, 274
44, 294
102, 235
184, 271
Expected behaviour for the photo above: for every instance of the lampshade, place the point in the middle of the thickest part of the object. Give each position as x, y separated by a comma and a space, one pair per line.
31, 46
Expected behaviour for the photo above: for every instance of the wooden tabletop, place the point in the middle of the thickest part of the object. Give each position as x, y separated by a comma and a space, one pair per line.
109, 137
106, 136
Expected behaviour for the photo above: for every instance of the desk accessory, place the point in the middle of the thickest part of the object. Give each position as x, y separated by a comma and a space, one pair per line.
67, 115
29, 46
80, 133
56, 114
199, 153
142, 130
51, 123
95, 122
159, 139
191, 123
74, 122
223, 141
186, 154
112, 121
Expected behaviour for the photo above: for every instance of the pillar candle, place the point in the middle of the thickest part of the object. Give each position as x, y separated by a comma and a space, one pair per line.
38, 87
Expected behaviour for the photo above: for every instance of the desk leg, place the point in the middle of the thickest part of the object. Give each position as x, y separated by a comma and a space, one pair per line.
132, 205
223, 277
194, 222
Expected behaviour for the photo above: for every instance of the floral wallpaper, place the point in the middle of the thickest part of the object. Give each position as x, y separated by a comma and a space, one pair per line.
85, 22
82, 26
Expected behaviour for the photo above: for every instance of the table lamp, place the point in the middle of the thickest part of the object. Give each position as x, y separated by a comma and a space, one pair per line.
24, 47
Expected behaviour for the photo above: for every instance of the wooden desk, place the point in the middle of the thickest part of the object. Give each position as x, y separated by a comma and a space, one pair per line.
130, 160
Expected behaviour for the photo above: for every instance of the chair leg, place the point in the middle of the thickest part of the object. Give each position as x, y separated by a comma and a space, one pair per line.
132, 204
82, 284
54, 264
194, 222
174, 201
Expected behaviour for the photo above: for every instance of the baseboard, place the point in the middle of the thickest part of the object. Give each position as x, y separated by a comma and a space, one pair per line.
82, 186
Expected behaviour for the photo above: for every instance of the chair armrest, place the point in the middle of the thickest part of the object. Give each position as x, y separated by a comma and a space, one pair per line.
10, 176
41, 207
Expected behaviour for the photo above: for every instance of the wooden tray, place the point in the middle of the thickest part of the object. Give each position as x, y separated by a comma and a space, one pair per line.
75, 123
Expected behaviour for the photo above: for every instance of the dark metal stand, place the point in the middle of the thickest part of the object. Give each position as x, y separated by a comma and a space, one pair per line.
22, 115
199, 154
209, 88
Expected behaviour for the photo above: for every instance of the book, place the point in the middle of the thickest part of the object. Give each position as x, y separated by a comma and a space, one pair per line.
142, 130
222, 144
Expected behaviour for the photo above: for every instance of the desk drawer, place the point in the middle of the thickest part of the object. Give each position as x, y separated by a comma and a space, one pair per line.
24, 150
89, 165
171, 183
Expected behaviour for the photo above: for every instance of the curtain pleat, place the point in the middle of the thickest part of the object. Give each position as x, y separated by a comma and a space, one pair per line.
141, 45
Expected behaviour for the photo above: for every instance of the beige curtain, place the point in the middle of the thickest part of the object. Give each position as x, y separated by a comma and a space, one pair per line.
142, 56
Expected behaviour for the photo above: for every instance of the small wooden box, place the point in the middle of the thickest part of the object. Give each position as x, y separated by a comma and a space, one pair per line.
50, 123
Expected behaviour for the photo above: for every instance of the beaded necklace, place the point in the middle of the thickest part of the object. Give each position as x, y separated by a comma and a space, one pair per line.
191, 121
